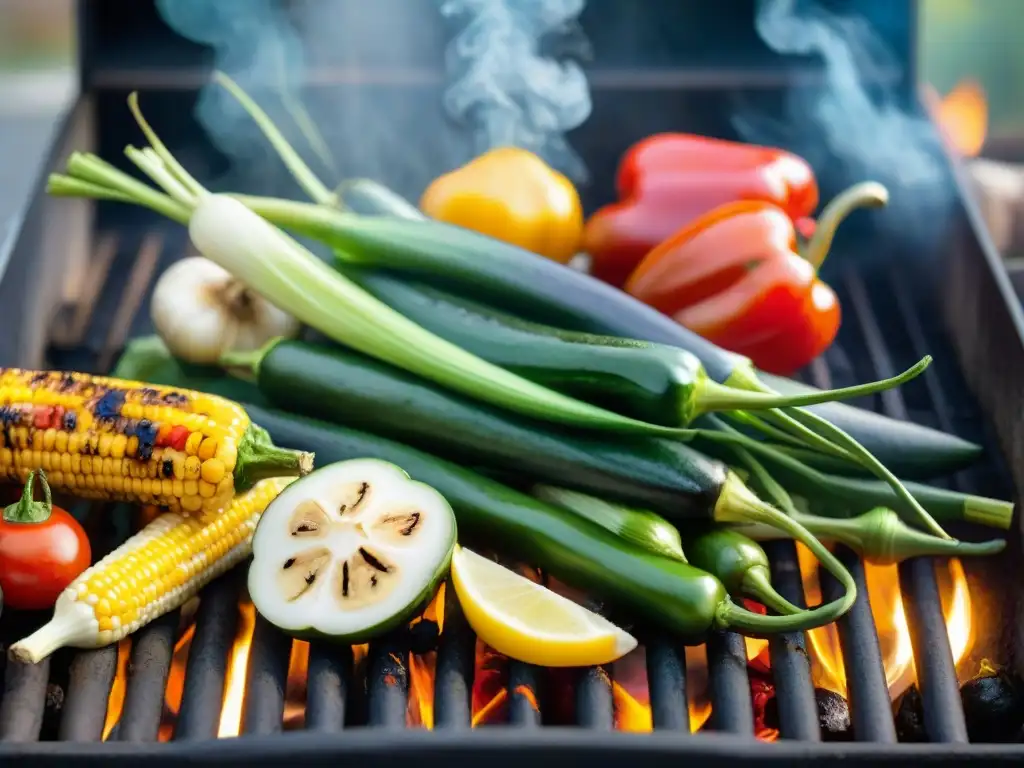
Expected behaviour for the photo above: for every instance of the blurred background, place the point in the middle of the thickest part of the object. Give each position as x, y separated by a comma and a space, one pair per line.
970, 48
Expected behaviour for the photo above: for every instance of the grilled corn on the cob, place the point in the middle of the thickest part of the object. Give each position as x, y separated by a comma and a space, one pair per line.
157, 570
127, 441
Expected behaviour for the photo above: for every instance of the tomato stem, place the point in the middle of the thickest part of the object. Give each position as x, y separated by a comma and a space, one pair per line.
27, 509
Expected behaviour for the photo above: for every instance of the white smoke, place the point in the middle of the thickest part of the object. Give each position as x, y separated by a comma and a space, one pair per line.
851, 122
506, 89
312, 65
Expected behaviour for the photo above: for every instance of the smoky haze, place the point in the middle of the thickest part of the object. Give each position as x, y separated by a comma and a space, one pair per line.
396, 90
851, 123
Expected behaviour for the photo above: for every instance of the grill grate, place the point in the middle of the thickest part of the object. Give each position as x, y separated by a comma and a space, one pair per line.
884, 332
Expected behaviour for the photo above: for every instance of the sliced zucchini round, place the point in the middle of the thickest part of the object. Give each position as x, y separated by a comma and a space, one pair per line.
350, 551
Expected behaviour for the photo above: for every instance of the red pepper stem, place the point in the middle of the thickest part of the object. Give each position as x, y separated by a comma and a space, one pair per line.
719, 397
27, 509
737, 504
866, 194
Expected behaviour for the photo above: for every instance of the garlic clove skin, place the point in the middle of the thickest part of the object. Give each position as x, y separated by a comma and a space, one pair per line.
202, 312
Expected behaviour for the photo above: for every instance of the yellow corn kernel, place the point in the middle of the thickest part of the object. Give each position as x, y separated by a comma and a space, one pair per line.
157, 570
193, 443
193, 467
118, 446
213, 471
207, 449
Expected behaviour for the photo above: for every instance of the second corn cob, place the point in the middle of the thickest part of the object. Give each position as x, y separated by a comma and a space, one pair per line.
157, 570
120, 440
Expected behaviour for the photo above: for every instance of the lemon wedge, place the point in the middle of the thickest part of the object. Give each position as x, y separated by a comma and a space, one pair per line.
530, 623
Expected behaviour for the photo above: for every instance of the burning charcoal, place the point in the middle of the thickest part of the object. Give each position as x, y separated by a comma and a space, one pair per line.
423, 636
833, 715
910, 717
993, 706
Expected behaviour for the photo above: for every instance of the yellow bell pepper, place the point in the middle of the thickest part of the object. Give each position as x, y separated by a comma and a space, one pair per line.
510, 194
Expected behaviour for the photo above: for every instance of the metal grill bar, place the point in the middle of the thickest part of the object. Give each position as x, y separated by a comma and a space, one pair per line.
330, 680
206, 668
595, 707
937, 681
23, 700
453, 674
149, 667
387, 683
666, 683
867, 691
791, 670
85, 707
731, 710
265, 679
523, 695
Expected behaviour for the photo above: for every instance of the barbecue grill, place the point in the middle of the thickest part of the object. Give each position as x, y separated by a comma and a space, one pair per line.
76, 289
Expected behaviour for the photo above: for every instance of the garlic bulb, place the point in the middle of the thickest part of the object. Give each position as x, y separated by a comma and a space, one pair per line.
202, 312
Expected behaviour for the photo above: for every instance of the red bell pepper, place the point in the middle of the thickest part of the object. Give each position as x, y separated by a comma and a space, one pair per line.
736, 277
668, 180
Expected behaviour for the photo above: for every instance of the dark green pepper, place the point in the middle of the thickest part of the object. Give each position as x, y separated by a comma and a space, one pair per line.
739, 563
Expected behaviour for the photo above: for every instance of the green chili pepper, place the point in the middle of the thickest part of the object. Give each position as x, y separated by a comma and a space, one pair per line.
736, 560
739, 562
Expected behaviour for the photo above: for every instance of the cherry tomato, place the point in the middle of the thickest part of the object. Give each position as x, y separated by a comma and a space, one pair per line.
39, 557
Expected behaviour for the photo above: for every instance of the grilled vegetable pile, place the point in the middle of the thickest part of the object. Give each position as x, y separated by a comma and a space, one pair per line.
469, 381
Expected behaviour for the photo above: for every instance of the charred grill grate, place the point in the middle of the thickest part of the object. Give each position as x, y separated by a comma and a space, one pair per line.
886, 328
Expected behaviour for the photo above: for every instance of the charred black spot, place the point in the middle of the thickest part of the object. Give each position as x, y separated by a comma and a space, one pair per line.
310, 578
373, 580
289, 562
372, 561
306, 528
167, 468
344, 579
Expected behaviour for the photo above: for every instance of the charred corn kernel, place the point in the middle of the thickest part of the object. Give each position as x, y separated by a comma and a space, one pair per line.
156, 571
127, 441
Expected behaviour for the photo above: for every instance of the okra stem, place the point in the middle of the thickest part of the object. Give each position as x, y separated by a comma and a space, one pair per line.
737, 504
720, 397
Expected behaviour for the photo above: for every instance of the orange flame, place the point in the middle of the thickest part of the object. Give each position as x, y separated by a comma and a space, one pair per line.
961, 116
627, 678
891, 621
234, 680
